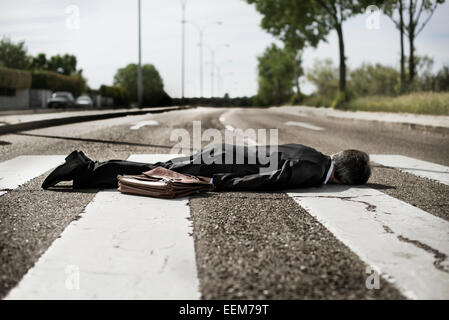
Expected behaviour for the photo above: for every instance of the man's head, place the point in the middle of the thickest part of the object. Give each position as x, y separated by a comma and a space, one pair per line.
351, 167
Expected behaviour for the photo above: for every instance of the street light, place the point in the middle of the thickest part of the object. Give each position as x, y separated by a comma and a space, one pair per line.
139, 67
201, 31
183, 4
212, 53
221, 81
219, 75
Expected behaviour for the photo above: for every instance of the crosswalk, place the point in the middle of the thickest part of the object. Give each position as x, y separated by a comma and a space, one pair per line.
123, 247
129, 247
416, 167
22, 169
398, 240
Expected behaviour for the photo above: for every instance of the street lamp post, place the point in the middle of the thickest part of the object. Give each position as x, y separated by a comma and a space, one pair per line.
183, 4
201, 33
219, 79
212, 53
139, 68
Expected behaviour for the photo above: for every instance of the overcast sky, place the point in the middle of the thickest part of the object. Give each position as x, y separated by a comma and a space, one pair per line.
107, 39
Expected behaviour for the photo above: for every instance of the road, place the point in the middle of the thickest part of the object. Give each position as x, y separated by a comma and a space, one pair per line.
244, 245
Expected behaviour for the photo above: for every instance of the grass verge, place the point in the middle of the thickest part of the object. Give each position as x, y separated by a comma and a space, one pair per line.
420, 103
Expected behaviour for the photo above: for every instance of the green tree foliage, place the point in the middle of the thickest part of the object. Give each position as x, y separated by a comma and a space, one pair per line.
13, 55
276, 76
375, 79
324, 76
441, 82
64, 64
310, 21
153, 87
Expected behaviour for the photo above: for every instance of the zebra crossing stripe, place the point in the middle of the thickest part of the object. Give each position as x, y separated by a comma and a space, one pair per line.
20, 170
405, 244
123, 247
417, 167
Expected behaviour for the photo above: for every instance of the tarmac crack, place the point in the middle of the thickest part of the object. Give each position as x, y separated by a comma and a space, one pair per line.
439, 256
369, 207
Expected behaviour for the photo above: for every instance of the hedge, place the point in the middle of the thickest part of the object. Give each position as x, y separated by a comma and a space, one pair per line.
14, 79
119, 94
57, 82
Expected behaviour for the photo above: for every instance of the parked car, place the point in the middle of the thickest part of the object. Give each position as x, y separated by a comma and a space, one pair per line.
84, 101
61, 99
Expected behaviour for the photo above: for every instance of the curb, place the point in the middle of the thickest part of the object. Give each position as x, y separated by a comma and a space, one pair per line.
13, 128
410, 125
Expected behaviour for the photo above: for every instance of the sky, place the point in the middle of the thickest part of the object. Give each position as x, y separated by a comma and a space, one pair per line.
102, 34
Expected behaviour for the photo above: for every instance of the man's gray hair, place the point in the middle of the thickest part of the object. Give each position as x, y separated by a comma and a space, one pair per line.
351, 166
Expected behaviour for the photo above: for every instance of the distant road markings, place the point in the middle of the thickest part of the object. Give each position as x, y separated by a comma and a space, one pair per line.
406, 244
228, 127
123, 247
414, 166
144, 123
304, 125
20, 170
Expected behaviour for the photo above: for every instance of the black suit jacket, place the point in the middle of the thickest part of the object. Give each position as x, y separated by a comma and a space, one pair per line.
295, 166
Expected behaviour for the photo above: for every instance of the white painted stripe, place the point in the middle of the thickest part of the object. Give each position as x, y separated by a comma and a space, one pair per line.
304, 125
228, 127
386, 233
141, 124
2, 193
414, 166
246, 139
123, 247
20, 170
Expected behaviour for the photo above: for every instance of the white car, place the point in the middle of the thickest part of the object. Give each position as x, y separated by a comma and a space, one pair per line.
84, 101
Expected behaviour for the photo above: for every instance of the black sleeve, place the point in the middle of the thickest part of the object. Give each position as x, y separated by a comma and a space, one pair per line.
274, 180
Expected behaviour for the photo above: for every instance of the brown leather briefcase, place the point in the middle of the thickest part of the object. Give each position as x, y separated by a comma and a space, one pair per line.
163, 183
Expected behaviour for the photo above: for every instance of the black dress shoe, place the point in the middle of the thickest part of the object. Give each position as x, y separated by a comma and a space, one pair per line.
66, 171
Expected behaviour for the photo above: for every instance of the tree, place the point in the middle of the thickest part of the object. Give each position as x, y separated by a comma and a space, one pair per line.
153, 87
310, 20
39, 62
419, 13
442, 79
389, 8
324, 76
414, 27
276, 76
63, 64
13, 55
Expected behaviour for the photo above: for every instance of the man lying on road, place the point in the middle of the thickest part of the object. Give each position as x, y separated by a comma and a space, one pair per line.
289, 166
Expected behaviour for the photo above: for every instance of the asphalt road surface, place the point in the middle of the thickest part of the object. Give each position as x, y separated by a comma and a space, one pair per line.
247, 245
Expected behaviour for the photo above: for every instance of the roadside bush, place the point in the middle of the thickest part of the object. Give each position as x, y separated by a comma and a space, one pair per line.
315, 100
324, 76
120, 95
14, 79
342, 98
57, 82
369, 80
296, 99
